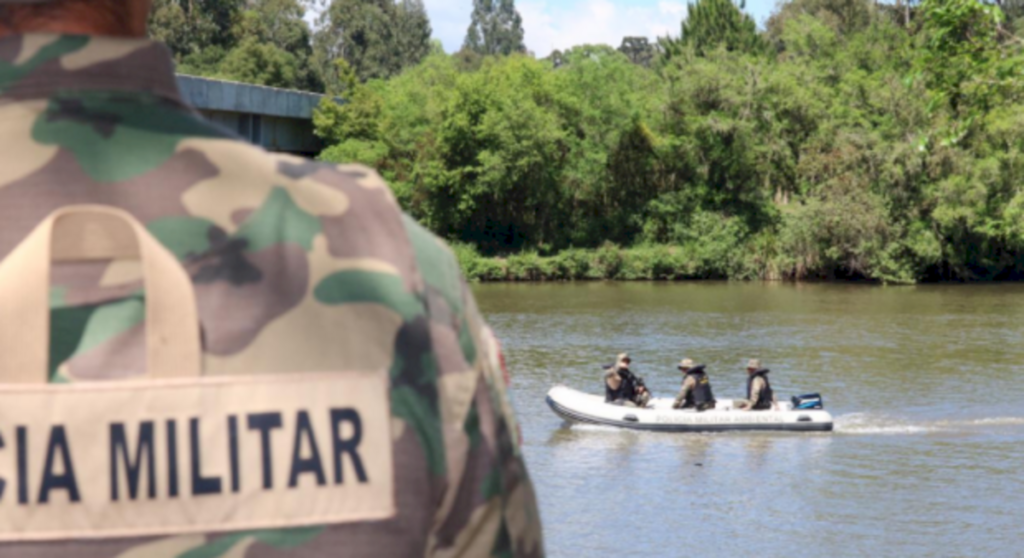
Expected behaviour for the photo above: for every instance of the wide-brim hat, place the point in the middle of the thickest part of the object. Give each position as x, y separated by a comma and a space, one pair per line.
622, 357
754, 363
685, 364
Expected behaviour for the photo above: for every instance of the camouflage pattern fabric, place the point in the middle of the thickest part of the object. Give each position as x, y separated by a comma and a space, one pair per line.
298, 266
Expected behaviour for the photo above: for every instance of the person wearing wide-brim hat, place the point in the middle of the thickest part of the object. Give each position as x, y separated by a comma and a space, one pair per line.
696, 390
760, 396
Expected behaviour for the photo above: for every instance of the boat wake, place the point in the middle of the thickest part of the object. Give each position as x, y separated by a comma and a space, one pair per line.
593, 427
881, 424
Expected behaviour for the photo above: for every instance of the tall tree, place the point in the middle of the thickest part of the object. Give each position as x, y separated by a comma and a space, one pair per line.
962, 55
639, 50
413, 32
190, 26
1014, 9
260, 63
713, 23
185, 27
378, 38
844, 16
279, 25
361, 32
495, 28
266, 42
223, 14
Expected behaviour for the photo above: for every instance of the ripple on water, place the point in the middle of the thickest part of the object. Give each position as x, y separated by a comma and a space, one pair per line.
880, 423
923, 383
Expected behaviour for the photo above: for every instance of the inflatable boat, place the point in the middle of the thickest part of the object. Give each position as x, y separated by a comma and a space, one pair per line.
802, 414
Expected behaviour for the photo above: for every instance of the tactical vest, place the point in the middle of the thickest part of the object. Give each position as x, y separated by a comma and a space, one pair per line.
765, 398
700, 396
628, 387
176, 452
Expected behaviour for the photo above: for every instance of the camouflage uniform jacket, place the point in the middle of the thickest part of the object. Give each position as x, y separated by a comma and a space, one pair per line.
297, 266
689, 383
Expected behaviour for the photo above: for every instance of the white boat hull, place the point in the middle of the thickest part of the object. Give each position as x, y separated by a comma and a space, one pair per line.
576, 406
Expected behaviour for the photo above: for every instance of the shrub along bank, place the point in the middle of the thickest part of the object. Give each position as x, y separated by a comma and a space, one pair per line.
611, 262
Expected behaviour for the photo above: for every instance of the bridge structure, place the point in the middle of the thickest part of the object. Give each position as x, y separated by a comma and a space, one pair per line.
279, 120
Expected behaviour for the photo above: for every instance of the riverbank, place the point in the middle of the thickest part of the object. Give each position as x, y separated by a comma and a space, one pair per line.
611, 262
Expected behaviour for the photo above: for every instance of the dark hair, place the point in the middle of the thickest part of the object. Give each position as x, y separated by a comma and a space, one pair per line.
107, 16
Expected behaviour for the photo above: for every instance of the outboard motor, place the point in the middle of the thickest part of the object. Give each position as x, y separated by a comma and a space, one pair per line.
808, 401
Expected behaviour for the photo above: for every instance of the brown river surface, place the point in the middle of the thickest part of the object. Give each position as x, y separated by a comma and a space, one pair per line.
926, 385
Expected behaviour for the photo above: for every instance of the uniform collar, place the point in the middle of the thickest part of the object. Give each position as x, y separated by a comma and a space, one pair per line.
35, 66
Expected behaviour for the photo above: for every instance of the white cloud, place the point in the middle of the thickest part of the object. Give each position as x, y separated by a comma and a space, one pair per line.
449, 20
560, 24
553, 24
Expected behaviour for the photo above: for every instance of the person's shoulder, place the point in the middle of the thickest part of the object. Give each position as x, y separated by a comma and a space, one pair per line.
370, 204
343, 215
353, 201
322, 189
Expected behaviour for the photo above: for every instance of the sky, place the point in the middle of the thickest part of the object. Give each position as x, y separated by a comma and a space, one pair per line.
559, 24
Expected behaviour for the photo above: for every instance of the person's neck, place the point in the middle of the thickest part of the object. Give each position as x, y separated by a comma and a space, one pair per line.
72, 29
77, 21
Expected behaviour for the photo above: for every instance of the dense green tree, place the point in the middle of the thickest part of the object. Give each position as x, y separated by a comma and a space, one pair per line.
362, 33
610, 109
260, 63
859, 147
413, 32
712, 24
278, 22
274, 47
495, 28
639, 50
356, 119
557, 59
962, 55
192, 26
222, 14
1012, 9
842, 16
378, 38
266, 42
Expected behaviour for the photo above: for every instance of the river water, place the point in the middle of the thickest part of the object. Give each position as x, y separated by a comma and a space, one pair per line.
926, 385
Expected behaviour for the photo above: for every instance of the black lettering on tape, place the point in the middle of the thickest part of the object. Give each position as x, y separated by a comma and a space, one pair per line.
233, 452
265, 422
201, 485
65, 480
3, 481
350, 445
22, 436
172, 458
312, 464
143, 451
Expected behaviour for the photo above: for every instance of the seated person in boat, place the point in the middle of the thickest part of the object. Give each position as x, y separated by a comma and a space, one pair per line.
696, 390
622, 387
760, 396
